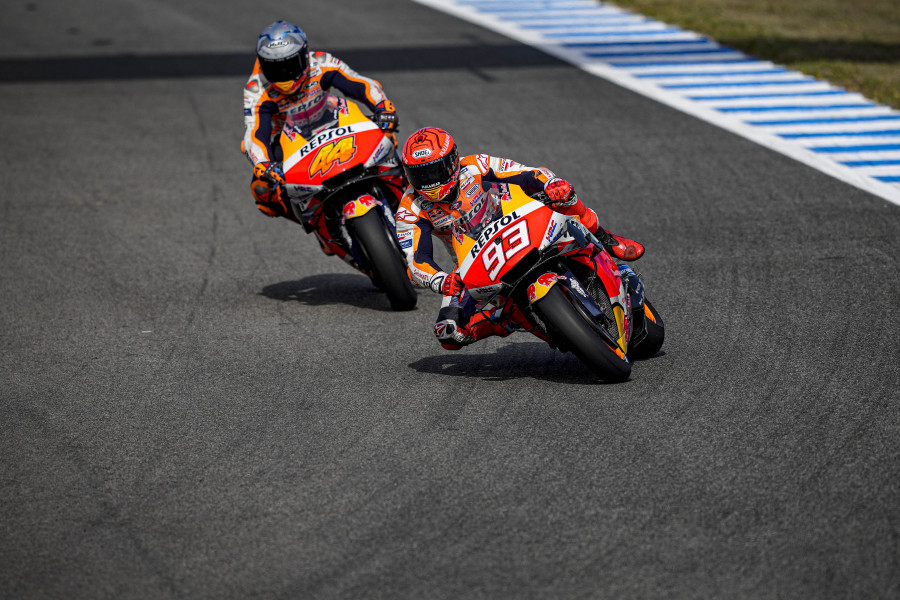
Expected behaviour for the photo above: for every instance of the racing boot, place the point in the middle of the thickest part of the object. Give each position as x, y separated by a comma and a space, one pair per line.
480, 326
453, 336
620, 247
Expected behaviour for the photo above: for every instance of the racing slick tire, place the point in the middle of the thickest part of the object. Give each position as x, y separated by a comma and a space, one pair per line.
570, 330
383, 257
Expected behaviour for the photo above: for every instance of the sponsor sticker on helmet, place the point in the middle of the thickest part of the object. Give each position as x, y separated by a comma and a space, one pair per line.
422, 152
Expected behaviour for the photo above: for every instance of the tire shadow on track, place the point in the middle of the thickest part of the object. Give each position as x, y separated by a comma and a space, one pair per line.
511, 361
328, 288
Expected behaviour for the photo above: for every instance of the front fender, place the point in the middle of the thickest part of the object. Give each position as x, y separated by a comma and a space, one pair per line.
541, 286
359, 206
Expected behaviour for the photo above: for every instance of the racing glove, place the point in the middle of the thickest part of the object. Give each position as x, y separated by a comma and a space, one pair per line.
267, 192
560, 192
270, 172
386, 116
448, 284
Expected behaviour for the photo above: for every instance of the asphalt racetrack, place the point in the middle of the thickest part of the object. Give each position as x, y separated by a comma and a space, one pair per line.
195, 402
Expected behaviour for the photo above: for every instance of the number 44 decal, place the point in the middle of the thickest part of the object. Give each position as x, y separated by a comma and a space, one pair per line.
514, 239
331, 154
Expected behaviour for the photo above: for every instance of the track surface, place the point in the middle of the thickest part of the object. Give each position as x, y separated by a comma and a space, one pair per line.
196, 403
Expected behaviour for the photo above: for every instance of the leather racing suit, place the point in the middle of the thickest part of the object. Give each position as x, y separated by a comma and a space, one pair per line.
419, 221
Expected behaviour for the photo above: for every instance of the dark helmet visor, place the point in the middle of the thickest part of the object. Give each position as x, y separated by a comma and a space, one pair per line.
433, 174
291, 68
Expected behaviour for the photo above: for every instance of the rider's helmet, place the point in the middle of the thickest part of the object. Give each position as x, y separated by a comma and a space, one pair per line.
431, 163
283, 56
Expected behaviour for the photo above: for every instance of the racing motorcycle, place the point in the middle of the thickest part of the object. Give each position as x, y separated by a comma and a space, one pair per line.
532, 269
344, 183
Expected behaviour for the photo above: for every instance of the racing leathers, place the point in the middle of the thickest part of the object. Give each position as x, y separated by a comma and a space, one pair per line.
266, 110
420, 221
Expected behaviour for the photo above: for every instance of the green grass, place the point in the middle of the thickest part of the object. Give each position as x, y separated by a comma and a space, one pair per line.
852, 43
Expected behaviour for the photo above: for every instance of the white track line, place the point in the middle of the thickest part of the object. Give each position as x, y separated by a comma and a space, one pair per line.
839, 133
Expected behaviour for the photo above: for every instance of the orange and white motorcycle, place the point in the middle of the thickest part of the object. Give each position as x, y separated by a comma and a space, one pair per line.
344, 183
532, 269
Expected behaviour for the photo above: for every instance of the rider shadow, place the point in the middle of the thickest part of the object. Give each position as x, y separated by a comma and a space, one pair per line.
325, 289
512, 361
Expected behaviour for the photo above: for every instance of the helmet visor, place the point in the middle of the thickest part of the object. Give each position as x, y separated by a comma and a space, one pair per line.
433, 174
291, 68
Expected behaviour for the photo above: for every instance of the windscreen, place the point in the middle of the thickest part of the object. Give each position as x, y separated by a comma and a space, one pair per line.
472, 214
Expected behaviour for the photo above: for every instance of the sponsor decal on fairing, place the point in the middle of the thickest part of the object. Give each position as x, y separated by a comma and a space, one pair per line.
325, 137
295, 190
551, 231
485, 291
491, 230
332, 154
381, 152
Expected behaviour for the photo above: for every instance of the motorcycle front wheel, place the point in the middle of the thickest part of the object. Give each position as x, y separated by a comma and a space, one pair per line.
383, 258
569, 329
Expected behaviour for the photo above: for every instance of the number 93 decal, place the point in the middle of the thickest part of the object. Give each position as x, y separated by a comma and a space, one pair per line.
512, 240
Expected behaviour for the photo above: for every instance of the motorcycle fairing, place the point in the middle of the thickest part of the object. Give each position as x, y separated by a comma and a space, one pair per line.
494, 251
309, 161
486, 259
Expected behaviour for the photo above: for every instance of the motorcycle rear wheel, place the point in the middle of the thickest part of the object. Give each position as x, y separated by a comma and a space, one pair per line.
383, 257
569, 329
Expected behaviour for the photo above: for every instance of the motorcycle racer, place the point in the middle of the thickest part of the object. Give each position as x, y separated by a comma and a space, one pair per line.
437, 177
290, 83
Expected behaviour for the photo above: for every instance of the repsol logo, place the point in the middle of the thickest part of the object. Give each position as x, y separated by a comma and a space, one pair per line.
324, 137
491, 230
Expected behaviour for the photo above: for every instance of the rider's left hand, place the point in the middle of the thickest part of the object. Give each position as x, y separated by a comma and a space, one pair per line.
385, 116
269, 172
560, 192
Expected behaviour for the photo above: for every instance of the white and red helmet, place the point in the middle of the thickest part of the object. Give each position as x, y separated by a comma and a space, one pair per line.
431, 162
